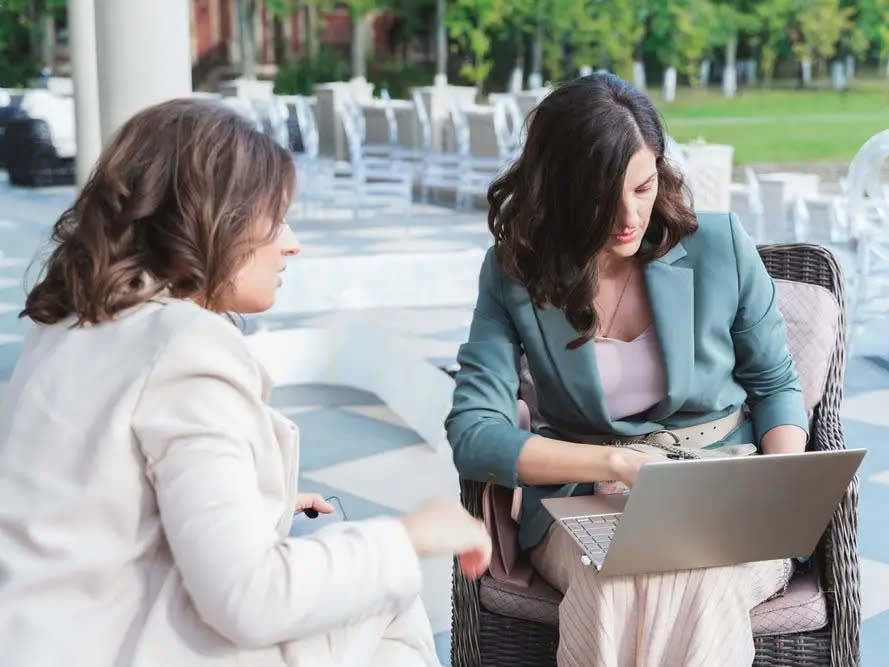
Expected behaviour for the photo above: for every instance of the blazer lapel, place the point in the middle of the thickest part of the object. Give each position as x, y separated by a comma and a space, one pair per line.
671, 296
577, 369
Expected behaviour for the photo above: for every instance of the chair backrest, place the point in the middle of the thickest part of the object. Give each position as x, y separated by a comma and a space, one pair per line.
391, 120
353, 136
308, 128
461, 128
423, 120
242, 106
816, 323
507, 125
349, 106
812, 317
673, 152
868, 201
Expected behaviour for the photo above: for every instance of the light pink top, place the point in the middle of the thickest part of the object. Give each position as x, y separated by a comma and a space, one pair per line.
632, 373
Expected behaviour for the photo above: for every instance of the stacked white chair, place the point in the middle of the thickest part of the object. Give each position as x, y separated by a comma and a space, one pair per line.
476, 173
439, 170
746, 202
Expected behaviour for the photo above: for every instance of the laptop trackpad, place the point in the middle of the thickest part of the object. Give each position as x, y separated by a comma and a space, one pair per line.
562, 508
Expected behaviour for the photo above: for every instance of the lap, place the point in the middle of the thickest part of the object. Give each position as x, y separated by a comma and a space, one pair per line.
395, 639
557, 560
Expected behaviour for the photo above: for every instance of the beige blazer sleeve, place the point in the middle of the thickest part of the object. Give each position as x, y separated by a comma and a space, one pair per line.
202, 425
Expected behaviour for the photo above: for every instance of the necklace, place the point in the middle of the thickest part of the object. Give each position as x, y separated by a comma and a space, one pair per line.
619, 300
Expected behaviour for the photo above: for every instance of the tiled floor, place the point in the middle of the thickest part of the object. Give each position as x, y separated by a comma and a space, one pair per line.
356, 448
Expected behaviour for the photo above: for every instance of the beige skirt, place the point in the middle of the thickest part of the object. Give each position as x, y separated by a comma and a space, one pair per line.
673, 619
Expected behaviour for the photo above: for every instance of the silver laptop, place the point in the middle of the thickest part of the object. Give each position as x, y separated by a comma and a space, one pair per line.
709, 512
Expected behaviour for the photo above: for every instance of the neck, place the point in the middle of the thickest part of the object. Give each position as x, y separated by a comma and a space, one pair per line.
610, 266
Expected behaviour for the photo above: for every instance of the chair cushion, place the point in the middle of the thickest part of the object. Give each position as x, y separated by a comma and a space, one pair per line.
539, 602
803, 608
812, 316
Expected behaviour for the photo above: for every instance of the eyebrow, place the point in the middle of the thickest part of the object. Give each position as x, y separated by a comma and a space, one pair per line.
648, 180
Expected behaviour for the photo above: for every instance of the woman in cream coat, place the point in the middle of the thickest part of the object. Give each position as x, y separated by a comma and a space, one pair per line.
147, 488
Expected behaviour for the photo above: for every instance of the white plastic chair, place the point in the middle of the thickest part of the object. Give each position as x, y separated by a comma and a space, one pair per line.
868, 222
243, 107
439, 170
476, 173
746, 202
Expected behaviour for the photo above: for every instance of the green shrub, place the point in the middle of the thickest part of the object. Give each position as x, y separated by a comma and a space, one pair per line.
397, 78
299, 76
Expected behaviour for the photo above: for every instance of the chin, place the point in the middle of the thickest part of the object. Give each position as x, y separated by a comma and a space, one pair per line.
255, 306
624, 250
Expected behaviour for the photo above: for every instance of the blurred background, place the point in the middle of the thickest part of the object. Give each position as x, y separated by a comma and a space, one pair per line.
399, 113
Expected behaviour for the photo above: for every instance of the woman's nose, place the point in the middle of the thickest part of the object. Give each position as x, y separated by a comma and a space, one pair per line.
287, 241
626, 213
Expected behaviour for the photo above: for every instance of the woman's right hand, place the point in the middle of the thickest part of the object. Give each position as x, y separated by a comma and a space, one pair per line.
627, 463
442, 527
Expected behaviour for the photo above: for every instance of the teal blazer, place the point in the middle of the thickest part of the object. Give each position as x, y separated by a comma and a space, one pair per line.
719, 331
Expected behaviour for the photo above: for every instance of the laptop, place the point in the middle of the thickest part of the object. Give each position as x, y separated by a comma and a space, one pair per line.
698, 513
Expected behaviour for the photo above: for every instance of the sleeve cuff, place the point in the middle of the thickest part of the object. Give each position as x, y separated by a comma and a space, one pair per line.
402, 576
781, 409
493, 454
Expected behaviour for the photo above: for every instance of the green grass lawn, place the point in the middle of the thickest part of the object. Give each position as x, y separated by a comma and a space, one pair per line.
782, 125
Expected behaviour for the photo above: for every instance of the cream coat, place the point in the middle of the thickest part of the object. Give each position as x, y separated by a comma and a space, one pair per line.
146, 491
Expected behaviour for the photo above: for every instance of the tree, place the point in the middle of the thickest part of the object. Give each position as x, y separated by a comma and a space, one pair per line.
469, 23
519, 25
605, 33
820, 26
26, 38
617, 31
772, 18
680, 34
730, 19
871, 28
359, 9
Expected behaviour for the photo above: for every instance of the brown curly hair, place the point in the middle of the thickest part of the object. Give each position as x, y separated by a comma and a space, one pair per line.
177, 202
552, 211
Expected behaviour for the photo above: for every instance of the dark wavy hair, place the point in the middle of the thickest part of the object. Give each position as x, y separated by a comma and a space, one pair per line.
553, 210
180, 198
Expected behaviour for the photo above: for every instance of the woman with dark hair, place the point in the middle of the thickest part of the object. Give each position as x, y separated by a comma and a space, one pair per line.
638, 320
148, 490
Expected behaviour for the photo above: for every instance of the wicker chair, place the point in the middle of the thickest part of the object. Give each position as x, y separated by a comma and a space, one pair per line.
480, 637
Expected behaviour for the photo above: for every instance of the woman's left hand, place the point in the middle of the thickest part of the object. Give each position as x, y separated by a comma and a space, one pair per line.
315, 501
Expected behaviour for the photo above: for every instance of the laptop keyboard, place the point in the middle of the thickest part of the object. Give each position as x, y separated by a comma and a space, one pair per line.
594, 533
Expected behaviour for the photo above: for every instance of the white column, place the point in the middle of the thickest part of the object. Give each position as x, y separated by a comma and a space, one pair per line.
82, 40
670, 84
48, 41
441, 44
143, 51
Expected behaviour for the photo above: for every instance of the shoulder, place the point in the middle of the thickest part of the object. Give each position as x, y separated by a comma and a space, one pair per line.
176, 319
192, 341
490, 271
716, 238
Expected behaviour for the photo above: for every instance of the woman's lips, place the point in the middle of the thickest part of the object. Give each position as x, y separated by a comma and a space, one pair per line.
626, 236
